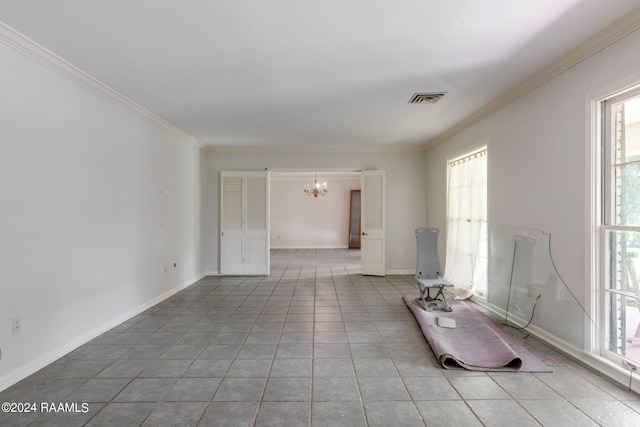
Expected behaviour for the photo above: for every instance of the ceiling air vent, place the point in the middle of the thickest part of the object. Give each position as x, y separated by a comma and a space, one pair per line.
425, 98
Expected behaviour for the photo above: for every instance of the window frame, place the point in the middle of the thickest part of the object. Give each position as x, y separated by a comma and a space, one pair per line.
604, 215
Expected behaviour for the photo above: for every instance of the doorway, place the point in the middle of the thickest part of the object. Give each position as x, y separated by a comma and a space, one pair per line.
298, 221
321, 221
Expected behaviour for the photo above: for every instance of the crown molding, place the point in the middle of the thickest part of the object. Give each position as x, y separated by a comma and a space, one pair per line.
315, 149
38, 53
614, 32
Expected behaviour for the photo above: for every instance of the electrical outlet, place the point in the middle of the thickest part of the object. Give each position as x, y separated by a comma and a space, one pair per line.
16, 325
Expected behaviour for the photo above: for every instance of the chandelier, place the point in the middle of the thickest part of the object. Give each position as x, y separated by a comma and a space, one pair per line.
316, 189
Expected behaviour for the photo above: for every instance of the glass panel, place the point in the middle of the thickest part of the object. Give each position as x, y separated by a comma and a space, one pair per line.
627, 194
624, 187
626, 116
622, 267
525, 288
622, 296
623, 318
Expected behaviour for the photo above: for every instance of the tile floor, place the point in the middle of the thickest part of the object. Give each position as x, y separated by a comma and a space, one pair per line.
313, 344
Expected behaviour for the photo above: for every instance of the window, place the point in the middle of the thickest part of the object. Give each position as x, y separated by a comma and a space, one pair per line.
619, 289
466, 260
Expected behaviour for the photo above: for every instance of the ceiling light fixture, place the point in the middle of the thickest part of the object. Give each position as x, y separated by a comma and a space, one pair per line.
316, 189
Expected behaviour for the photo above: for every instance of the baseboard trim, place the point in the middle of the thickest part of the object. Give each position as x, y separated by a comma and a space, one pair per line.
308, 247
401, 272
34, 366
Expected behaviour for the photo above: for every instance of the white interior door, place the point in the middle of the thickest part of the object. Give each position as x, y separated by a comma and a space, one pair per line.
372, 244
257, 224
232, 223
244, 225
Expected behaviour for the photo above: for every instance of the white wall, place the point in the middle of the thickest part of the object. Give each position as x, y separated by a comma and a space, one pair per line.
94, 204
405, 201
299, 221
538, 158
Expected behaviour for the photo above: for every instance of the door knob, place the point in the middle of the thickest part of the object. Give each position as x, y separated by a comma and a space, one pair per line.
364, 234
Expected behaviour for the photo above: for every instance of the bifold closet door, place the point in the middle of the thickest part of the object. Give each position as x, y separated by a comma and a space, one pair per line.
244, 224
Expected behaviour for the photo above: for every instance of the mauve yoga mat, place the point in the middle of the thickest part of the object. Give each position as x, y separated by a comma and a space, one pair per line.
474, 344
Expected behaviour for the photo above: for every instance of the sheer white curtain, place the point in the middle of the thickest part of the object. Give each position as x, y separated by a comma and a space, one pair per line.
466, 257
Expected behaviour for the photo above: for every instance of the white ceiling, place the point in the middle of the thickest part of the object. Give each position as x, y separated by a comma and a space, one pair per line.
302, 73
